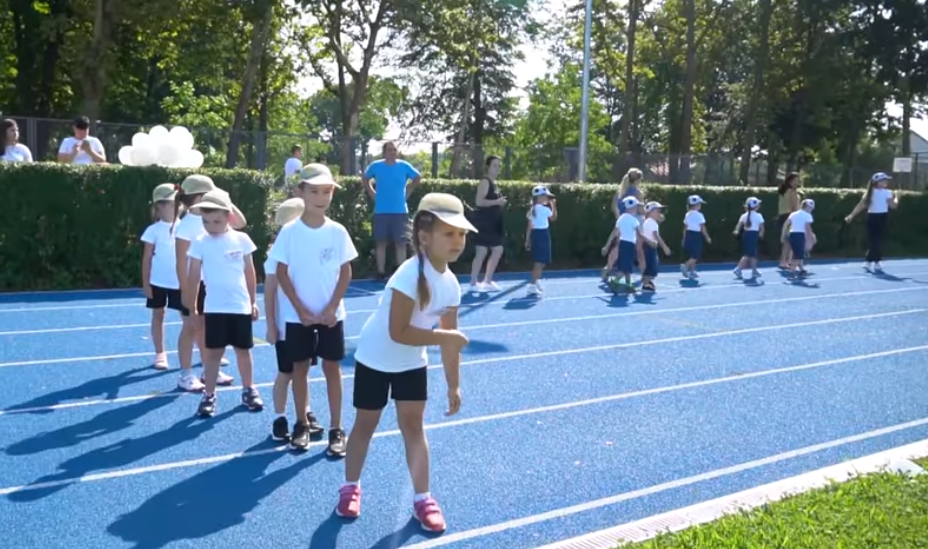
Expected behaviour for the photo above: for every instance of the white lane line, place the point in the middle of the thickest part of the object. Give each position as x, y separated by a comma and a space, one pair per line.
663, 487
525, 322
588, 280
471, 305
508, 358
118, 473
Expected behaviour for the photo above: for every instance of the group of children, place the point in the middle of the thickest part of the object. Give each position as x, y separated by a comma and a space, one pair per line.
203, 267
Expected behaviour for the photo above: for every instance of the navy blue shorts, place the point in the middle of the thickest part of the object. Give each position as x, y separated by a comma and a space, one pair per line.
797, 242
749, 241
692, 244
651, 261
541, 246
628, 253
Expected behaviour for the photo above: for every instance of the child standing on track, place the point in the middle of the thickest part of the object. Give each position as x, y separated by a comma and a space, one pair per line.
223, 256
314, 255
695, 236
159, 272
186, 231
878, 200
287, 211
650, 230
391, 355
798, 232
537, 236
626, 232
752, 222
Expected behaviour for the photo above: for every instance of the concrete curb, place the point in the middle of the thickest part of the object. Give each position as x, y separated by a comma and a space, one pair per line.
894, 460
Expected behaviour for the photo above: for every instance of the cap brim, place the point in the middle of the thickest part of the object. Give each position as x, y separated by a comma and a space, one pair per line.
321, 180
171, 197
456, 220
211, 206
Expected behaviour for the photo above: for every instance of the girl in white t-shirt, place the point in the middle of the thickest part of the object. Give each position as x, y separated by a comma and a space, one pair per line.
798, 232
878, 200
751, 228
186, 230
626, 230
11, 150
159, 272
391, 355
695, 235
289, 210
538, 234
651, 238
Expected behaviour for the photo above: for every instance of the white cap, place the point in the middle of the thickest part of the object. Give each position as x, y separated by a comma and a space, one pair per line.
629, 202
752, 202
880, 176
695, 199
448, 208
808, 203
541, 190
651, 206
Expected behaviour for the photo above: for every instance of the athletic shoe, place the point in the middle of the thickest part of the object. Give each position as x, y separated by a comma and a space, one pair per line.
252, 399
349, 501
299, 439
429, 515
280, 429
207, 407
337, 443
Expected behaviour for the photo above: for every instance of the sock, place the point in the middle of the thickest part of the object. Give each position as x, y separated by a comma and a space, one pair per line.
282, 416
358, 484
421, 497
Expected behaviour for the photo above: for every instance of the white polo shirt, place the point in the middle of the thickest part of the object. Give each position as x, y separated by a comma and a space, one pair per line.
651, 229
879, 201
799, 220
164, 261
376, 349
694, 220
540, 216
756, 221
628, 226
223, 268
189, 228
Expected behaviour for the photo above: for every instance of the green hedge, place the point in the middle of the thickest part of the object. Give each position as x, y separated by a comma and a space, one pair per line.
79, 227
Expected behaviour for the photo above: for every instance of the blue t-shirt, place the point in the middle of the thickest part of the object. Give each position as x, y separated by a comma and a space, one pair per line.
390, 187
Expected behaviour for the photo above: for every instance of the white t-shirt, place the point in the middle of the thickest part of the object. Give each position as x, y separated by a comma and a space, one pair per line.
376, 349
798, 221
879, 201
292, 166
164, 260
314, 258
189, 228
694, 220
651, 229
540, 214
223, 268
17, 153
628, 226
756, 221
82, 157
270, 269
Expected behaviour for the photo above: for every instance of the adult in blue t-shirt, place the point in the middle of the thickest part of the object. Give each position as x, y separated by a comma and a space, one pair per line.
390, 188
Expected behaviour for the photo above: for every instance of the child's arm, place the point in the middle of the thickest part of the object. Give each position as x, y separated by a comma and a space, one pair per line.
329, 318
147, 254
528, 231
663, 244
738, 226
553, 216
181, 247
403, 332
760, 231
893, 201
705, 233
286, 285
192, 286
251, 280
270, 307
612, 236
451, 361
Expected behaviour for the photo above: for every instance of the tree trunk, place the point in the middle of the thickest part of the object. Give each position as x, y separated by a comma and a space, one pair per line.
460, 142
689, 91
631, 92
259, 36
95, 59
906, 98
766, 10
478, 128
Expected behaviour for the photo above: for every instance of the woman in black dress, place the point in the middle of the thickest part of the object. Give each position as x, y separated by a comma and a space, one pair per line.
488, 218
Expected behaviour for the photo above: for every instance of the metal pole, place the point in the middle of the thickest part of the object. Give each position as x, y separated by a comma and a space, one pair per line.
585, 109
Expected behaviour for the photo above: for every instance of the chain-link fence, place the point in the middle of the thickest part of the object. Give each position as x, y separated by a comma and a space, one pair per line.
551, 164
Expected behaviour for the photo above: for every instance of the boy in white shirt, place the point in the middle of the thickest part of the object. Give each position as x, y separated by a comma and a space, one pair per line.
314, 255
538, 235
626, 230
224, 257
695, 235
651, 235
798, 232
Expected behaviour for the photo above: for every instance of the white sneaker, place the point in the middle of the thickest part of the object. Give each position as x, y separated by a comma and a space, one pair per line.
189, 382
878, 268
491, 286
534, 289
476, 288
222, 379
224, 361
161, 361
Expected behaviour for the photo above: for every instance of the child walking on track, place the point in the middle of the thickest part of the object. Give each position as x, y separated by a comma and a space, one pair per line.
878, 200
159, 273
798, 233
695, 236
650, 230
537, 236
752, 224
224, 258
287, 211
391, 355
626, 232
186, 231
314, 255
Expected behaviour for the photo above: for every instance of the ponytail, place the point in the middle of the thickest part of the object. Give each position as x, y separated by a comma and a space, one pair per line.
422, 222
747, 217
181, 204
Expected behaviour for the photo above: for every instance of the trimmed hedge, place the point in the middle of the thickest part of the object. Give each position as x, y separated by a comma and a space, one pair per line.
67, 227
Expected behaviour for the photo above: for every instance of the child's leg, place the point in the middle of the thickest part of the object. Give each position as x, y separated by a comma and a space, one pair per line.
211, 358
300, 381
411, 417
188, 381
612, 257
536, 272
245, 366
333, 383
281, 387
359, 442
496, 253
157, 330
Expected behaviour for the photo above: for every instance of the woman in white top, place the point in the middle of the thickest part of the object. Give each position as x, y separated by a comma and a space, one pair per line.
11, 150
878, 200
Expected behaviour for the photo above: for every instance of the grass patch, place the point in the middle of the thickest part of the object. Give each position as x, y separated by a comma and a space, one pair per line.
877, 511
923, 462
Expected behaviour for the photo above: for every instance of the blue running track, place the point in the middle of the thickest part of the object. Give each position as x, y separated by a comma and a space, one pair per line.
581, 411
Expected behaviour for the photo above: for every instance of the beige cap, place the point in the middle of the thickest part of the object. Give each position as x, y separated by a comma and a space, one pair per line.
218, 199
317, 174
164, 192
288, 210
448, 208
198, 184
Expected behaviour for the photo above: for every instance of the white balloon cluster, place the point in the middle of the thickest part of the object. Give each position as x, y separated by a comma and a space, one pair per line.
160, 147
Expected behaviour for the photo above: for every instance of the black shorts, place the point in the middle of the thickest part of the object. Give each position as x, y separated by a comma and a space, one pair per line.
372, 387
284, 362
308, 342
201, 299
222, 330
165, 297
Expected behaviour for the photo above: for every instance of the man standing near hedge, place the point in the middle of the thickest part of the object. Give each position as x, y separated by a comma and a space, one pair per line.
390, 191
82, 148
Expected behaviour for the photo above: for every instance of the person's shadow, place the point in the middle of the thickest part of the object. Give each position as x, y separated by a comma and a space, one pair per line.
210, 502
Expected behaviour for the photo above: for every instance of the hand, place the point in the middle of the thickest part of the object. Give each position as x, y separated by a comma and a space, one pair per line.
734, 233
666, 250
328, 317
848, 219
306, 317
255, 313
272, 334
454, 402
146, 289
503, 201
653, 244
454, 340
85, 146
605, 250
708, 240
528, 245
76, 149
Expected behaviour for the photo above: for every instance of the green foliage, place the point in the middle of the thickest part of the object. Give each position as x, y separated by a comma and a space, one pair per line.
78, 227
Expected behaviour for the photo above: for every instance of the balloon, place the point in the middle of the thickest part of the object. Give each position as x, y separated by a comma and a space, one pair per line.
143, 156
140, 139
169, 154
159, 134
125, 155
181, 138
193, 159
